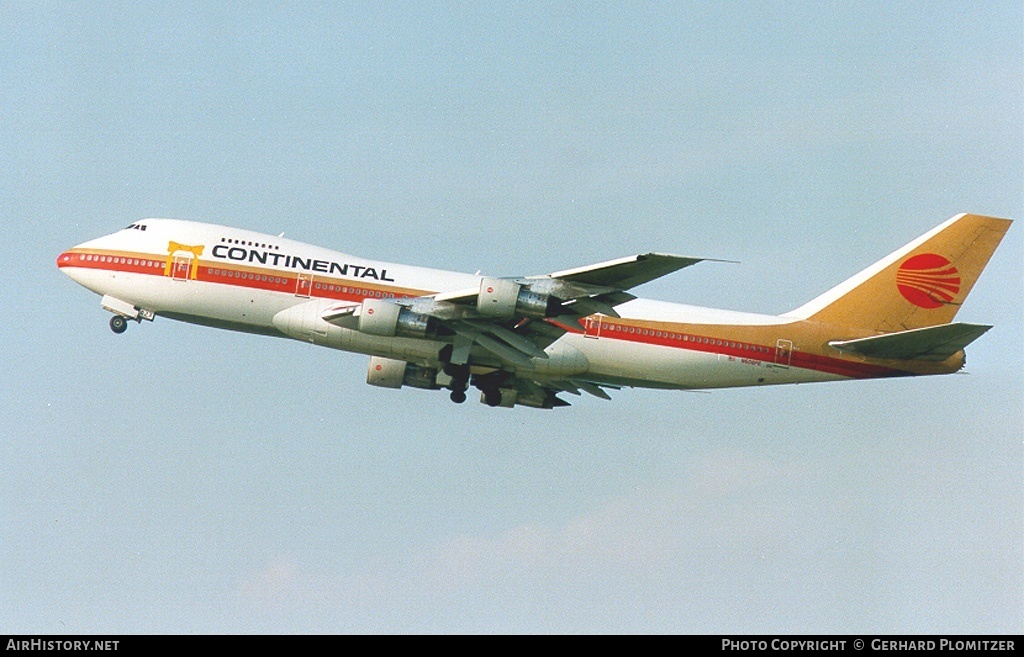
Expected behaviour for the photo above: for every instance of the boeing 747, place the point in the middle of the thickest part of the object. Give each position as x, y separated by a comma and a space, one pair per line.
529, 340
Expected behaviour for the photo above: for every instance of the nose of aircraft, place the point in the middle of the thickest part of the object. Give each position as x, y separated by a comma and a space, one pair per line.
73, 263
80, 258
68, 262
66, 259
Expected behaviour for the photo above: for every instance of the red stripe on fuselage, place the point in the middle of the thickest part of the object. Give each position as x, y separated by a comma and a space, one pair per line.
273, 280
622, 330
270, 280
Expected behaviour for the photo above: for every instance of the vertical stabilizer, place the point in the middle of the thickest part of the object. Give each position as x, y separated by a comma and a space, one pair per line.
923, 284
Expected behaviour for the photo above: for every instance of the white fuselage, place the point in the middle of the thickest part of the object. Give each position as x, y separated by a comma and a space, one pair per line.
253, 282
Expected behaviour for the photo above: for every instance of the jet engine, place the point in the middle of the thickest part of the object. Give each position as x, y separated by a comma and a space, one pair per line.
391, 373
382, 317
502, 298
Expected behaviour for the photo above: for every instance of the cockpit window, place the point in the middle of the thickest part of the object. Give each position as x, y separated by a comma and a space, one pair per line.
135, 227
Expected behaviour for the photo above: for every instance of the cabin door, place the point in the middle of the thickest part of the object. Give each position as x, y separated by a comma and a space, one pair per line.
303, 285
181, 266
783, 352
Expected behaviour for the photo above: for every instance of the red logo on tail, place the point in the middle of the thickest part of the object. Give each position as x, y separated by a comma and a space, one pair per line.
928, 280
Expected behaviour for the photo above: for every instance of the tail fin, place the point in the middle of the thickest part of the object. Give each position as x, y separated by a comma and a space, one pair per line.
923, 284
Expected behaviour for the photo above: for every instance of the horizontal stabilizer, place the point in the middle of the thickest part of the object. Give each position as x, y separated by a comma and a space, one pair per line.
934, 343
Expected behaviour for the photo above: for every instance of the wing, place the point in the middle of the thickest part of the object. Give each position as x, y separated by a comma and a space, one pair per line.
625, 273
577, 292
506, 323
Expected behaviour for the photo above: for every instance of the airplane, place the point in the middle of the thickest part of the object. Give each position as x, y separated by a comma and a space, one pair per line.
526, 340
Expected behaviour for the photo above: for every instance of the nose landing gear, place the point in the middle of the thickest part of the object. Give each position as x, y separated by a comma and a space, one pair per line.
118, 324
124, 311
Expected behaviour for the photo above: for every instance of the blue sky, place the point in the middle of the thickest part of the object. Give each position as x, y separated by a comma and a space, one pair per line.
180, 479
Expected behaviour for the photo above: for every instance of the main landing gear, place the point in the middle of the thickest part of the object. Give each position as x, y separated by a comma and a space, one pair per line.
459, 382
489, 384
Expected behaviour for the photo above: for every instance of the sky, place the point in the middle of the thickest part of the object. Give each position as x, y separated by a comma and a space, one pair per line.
180, 479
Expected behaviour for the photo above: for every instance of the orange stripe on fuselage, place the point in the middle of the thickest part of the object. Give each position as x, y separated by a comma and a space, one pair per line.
259, 278
672, 335
684, 337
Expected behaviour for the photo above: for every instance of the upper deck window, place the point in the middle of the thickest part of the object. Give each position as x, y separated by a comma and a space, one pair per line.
261, 245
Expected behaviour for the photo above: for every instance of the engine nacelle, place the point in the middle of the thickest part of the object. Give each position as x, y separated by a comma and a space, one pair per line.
384, 318
503, 397
391, 373
502, 298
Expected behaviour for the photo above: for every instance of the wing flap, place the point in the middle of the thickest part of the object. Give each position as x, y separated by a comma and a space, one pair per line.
934, 343
604, 303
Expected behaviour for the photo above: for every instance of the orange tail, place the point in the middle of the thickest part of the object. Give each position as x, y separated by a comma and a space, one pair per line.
921, 285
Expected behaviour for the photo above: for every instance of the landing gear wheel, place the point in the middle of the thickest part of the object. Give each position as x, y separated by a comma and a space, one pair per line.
492, 397
118, 324
458, 396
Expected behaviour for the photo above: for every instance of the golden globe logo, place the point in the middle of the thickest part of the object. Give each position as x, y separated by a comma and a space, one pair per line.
928, 280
